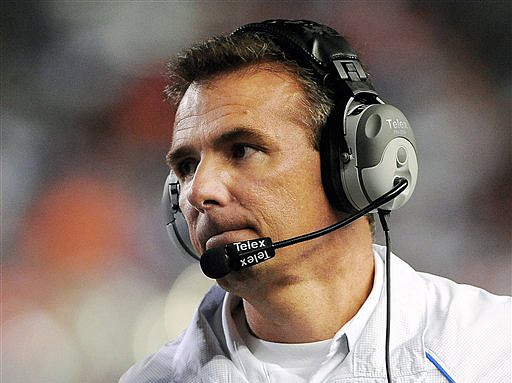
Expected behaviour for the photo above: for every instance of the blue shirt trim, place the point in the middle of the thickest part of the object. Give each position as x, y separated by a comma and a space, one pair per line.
438, 366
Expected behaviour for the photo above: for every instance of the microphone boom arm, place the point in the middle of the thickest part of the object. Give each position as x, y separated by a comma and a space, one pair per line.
400, 185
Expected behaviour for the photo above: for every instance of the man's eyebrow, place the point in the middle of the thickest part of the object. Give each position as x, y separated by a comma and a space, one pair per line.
236, 134
241, 133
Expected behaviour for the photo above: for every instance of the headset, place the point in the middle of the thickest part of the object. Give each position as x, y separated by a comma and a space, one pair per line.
366, 144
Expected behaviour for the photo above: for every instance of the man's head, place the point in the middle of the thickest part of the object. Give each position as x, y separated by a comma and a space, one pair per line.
205, 62
220, 56
365, 145
244, 158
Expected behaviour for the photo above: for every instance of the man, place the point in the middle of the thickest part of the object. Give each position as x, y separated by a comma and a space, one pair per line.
247, 150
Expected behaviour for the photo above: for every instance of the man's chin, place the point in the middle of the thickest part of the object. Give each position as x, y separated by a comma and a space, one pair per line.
236, 282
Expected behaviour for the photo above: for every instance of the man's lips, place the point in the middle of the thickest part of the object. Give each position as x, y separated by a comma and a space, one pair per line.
229, 236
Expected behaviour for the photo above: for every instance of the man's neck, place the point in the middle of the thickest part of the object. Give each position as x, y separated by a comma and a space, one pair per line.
314, 306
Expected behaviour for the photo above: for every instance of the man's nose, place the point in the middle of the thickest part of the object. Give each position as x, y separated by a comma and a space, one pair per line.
208, 188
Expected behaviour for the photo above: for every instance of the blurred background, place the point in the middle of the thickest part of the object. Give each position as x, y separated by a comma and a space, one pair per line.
89, 280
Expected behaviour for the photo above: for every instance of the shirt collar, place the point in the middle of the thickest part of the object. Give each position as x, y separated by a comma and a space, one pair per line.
354, 327
351, 330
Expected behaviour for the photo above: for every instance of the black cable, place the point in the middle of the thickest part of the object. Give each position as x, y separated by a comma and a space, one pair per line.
400, 185
182, 242
383, 214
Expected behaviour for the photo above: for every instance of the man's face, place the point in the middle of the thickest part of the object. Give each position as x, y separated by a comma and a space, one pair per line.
245, 162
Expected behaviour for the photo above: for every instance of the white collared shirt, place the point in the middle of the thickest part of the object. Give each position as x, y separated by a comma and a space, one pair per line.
440, 331
264, 361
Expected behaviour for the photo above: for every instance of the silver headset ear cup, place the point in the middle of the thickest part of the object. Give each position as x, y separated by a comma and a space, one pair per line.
175, 223
382, 148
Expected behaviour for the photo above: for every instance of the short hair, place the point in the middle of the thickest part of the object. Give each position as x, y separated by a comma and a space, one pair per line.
205, 61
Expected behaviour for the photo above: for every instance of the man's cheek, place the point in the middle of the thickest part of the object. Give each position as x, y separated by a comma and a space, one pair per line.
193, 239
189, 213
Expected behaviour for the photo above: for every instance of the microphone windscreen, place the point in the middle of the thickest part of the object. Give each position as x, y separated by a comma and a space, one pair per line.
215, 263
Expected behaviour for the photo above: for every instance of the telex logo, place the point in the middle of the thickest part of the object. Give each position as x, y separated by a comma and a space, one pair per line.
248, 253
398, 126
255, 258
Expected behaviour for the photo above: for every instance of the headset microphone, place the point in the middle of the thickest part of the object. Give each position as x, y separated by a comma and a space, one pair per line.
218, 262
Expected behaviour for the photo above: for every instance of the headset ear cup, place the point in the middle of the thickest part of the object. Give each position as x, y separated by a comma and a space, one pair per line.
382, 145
175, 223
332, 144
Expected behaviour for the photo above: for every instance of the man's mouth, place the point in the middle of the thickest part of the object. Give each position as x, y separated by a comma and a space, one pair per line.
230, 236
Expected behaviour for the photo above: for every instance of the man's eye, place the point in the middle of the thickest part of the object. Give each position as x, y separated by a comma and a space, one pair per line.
187, 167
240, 151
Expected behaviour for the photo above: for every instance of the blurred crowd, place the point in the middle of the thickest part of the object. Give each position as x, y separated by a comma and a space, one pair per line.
89, 280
